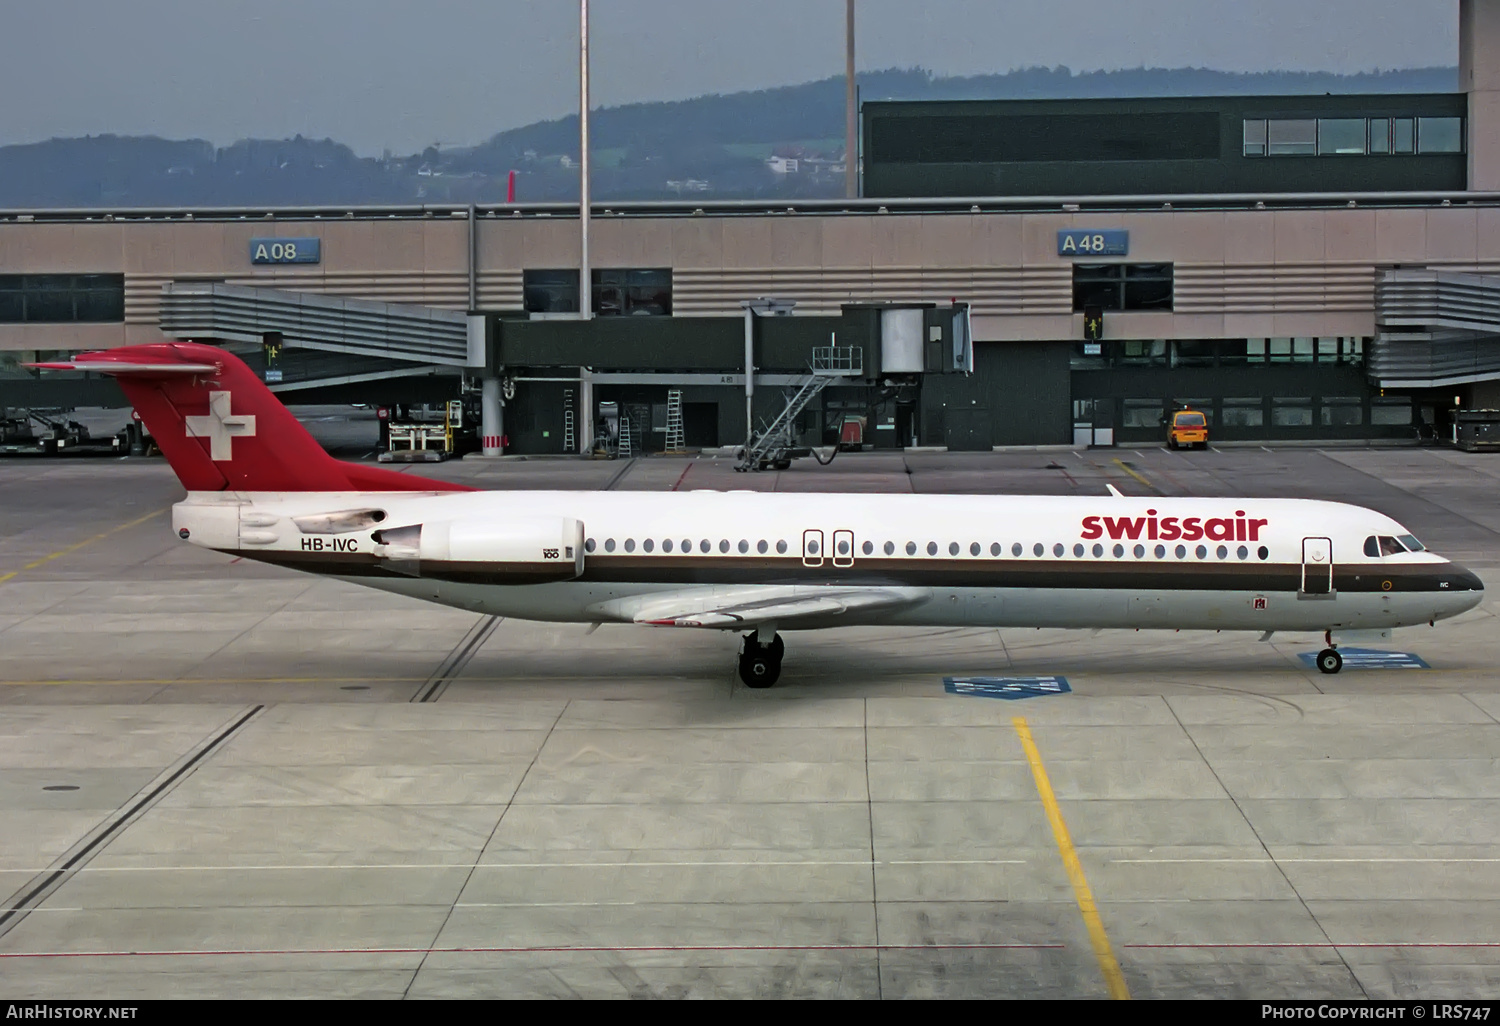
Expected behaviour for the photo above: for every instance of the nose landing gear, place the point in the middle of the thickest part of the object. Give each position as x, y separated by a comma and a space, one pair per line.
760, 665
1329, 660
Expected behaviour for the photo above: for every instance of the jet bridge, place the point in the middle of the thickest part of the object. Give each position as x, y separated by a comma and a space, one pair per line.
379, 340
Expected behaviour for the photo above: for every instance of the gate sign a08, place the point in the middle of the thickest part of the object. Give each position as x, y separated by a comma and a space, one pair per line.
1093, 242
286, 251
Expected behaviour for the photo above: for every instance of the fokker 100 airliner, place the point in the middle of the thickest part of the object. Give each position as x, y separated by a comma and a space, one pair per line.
259, 486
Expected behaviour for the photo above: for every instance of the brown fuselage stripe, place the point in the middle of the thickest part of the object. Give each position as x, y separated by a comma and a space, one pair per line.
1122, 574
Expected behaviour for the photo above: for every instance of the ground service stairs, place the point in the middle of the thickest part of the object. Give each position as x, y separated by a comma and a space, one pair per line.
772, 445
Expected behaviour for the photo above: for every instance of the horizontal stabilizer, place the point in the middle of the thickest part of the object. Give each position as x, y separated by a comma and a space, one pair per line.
222, 429
127, 367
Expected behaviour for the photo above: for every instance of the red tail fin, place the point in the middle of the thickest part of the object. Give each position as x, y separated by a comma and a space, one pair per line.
221, 428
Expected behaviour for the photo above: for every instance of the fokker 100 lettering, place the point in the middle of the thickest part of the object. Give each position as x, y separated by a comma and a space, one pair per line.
1171, 528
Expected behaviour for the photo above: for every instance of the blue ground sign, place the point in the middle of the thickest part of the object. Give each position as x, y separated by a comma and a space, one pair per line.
1006, 687
1371, 659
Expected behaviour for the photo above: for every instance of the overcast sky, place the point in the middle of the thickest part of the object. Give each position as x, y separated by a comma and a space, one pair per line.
407, 73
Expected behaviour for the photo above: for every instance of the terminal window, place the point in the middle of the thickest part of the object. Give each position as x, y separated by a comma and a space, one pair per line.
633, 292
1142, 413
1122, 286
1242, 413
1347, 350
1029, 138
59, 298
1341, 411
616, 292
1358, 137
550, 291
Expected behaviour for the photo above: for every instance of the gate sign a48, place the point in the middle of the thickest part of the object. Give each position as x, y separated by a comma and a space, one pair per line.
1093, 242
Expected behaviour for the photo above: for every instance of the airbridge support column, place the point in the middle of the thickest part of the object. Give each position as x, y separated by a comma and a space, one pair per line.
490, 424
482, 362
1479, 77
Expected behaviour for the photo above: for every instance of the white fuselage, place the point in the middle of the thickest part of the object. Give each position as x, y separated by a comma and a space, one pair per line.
1004, 561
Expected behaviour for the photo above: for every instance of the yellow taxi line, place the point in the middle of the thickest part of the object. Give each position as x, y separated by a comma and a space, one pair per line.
1109, 966
1131, 471
78, 545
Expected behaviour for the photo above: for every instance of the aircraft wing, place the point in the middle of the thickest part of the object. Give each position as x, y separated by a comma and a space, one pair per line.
790, 606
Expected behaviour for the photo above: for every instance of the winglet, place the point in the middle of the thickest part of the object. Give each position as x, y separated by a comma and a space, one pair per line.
1114, 491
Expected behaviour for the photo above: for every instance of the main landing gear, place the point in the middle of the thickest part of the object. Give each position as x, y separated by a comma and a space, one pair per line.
1329, 660
760, 665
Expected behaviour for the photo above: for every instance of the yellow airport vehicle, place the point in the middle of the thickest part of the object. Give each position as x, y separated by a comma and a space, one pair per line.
1187, 429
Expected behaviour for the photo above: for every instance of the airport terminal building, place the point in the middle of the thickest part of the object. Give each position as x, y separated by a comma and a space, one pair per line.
1016, 273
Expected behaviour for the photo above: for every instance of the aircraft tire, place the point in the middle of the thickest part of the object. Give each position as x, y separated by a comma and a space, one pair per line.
1329, 661
759, 669
760, 665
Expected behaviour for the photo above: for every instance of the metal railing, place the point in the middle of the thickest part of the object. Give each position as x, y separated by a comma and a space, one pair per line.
722, 208
838, 360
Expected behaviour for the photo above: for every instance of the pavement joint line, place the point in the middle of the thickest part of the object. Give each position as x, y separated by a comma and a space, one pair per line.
1326, 944
864, 718
1272, 862
540, 949
490, 839
87, 541
531, 865
1266, 848
619, 474
24, 901
453, 664
226, 680
1109, 966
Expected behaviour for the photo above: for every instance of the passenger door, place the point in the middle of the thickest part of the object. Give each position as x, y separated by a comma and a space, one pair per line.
1317, 566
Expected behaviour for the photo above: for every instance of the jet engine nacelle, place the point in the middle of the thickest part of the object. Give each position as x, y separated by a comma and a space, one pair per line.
514, 550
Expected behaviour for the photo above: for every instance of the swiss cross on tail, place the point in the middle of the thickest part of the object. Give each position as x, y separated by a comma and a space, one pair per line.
220, 427
186, 391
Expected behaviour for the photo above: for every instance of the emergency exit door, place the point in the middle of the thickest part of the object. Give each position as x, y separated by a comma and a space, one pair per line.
1317, 566
812, 547
843, 548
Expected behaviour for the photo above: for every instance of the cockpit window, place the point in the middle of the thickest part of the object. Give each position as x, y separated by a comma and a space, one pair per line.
1385, 545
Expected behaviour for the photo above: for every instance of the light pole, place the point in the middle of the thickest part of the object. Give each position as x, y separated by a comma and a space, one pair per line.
851, 127
585, 279
585, 275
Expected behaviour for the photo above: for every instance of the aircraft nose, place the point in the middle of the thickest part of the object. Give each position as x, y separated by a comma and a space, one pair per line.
1464, 579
